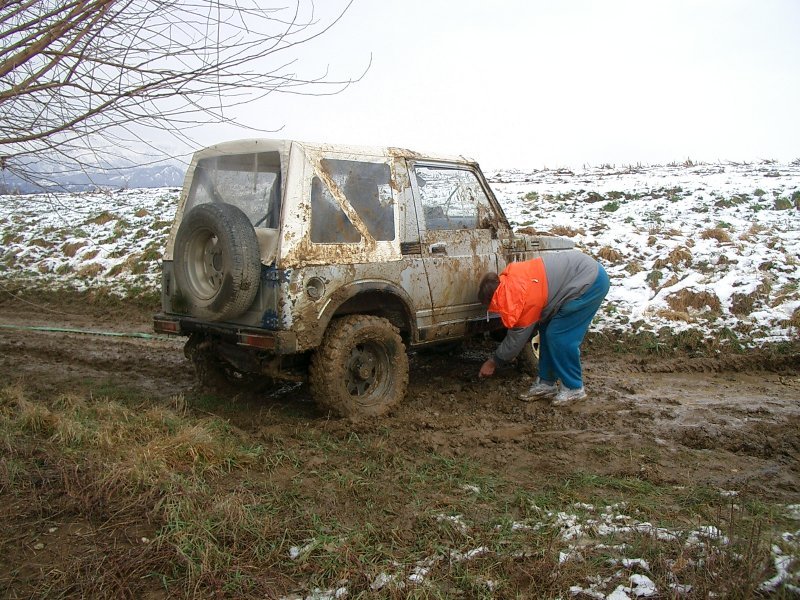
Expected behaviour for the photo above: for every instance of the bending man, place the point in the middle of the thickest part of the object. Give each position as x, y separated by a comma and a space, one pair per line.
560, 293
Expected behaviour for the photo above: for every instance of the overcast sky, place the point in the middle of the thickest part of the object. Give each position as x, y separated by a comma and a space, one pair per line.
534, 83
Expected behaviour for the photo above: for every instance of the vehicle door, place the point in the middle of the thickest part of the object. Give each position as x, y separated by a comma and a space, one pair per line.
458, 239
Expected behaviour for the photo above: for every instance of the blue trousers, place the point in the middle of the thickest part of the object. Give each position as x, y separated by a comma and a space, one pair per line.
561, 337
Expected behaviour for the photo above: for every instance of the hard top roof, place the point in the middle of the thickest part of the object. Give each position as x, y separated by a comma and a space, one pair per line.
275, 145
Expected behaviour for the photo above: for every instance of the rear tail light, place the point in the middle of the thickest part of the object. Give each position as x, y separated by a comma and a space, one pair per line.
172, 326
257, 341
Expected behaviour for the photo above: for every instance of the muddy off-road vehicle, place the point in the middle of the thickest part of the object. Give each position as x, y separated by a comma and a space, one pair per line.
288, 258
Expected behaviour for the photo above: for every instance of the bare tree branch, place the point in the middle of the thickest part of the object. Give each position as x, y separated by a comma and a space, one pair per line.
88, 73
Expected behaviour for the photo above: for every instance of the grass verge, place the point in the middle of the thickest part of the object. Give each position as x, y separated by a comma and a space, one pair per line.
115, 495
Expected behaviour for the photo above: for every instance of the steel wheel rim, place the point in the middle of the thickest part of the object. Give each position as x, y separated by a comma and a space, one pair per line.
366, 370
204, 268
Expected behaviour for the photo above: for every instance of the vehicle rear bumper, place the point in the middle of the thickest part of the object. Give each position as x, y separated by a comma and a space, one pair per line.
278, 342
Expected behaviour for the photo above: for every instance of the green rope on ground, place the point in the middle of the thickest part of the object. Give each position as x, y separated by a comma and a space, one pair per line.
147, 336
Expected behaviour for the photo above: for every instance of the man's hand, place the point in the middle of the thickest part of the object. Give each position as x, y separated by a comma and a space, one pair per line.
487, 368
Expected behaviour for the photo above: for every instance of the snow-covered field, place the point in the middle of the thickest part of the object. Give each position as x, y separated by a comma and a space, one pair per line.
113, 239
713, 247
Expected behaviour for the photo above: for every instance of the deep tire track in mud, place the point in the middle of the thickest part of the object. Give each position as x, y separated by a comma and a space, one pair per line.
157, 366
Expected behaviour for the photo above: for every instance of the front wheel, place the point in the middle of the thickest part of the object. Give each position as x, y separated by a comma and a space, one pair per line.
528, 359
361, 368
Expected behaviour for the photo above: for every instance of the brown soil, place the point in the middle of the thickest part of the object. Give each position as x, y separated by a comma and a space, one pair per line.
730, 423
737, 415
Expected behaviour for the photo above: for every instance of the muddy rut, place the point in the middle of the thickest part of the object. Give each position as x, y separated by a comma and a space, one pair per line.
732, 422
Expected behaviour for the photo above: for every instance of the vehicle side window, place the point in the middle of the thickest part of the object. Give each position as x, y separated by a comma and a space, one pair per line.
329, 224
450, 197
367, 189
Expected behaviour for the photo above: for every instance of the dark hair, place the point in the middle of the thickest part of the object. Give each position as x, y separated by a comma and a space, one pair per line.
487, 287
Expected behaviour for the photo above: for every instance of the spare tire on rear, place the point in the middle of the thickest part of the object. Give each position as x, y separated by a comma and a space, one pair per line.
217, 264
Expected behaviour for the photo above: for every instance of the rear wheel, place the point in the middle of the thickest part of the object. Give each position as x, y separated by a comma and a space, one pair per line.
215, 374
361, 368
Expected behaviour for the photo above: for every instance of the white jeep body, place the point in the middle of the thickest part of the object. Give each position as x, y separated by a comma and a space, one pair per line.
338, 231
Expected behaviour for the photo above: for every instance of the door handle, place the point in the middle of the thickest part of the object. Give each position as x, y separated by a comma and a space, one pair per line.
438, 248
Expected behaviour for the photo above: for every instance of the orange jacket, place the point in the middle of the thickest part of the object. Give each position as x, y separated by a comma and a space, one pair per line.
522, 293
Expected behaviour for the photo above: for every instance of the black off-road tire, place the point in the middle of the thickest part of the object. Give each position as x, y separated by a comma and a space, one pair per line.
217, 264
208, 372
215, 375
361, 368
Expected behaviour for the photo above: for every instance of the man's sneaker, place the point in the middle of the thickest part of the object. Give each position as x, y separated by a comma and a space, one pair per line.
567, 396
540, 389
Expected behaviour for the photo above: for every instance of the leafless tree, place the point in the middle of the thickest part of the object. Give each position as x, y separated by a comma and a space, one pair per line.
78, 75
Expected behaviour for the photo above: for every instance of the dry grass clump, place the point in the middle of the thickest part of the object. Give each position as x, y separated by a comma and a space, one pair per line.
71, 433
11, 394
744, 304
634, 267
716, 233
35, 418
11, 238
678, 256
103, 218
675, 315
560, 230
654, 279
786, 292
192, 448
567, 231
532, 231
123, 435
610, 255
71, 248
690, 299
30, 416
90, 270
150, 255
754, 230
132, 264
69, 401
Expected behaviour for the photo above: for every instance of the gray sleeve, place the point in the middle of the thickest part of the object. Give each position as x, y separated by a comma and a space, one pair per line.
513, 343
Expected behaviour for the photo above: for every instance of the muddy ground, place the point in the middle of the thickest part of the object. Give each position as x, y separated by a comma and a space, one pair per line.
731, 421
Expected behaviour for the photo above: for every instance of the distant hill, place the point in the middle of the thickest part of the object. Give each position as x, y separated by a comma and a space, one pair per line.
123, 178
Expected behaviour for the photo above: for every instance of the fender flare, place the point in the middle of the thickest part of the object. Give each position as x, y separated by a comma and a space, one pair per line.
352, 290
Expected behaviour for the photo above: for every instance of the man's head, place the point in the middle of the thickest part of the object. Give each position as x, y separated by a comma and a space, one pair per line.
487, 287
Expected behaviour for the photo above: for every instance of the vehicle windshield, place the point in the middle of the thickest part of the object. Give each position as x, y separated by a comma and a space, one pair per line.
249, 181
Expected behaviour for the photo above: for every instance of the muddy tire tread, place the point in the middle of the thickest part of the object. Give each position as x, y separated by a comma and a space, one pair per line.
327, 371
